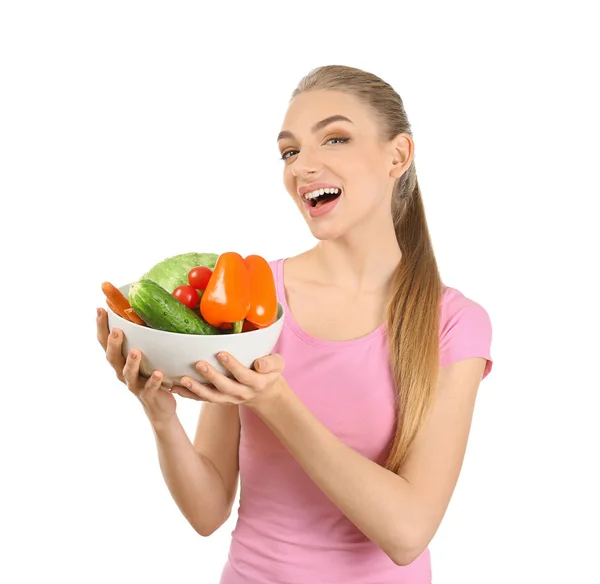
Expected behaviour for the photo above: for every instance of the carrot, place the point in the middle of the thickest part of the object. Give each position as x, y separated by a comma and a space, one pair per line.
115, 309
115, 295
133, 317
115, 299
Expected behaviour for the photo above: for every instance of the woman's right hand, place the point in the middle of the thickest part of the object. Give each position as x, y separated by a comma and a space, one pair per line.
156, 398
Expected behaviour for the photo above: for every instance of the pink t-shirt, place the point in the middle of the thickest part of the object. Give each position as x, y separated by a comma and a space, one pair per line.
287, 530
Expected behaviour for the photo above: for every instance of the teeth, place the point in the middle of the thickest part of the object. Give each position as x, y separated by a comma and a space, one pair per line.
319, 192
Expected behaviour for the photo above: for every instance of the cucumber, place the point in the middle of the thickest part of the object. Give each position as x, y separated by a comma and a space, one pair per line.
162, 311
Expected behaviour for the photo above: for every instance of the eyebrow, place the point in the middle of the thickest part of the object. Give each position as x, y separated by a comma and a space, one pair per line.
318, 126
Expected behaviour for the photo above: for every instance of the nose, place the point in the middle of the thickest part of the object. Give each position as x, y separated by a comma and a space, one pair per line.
306, 163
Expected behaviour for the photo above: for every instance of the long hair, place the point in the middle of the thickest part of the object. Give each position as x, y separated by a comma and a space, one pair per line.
412, 311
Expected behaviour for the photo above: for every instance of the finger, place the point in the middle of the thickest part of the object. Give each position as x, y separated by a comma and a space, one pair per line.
152, 385
242, 374
114, 352
273, 363
206, 393
166, 385
226, 384
131, 370
184, 392
102, 331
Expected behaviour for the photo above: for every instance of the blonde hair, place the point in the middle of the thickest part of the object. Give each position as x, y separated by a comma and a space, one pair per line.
412, 312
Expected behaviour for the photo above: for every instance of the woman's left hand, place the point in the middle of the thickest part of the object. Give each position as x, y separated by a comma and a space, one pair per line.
248, 387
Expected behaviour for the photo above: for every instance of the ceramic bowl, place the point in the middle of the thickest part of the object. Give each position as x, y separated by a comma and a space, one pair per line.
176, 354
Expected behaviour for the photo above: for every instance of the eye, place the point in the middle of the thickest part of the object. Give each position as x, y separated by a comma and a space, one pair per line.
338, 140
335, 140
284, 155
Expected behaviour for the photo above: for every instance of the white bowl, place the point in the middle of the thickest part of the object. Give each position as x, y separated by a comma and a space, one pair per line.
175, 354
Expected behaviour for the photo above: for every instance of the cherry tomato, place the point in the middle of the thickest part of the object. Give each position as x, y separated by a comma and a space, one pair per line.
199, 276
187, 295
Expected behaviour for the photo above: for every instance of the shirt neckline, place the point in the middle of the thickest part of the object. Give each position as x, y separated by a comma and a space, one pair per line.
291, 323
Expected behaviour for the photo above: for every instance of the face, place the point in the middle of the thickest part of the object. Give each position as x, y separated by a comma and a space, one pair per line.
338, 168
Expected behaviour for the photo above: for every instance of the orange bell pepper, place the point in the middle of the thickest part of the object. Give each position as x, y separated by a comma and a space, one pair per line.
263, 295
240, 290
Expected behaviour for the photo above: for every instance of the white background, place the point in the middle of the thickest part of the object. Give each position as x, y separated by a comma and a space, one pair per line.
132, 131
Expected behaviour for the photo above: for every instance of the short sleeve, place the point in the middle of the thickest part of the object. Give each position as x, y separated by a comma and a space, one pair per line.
466, 331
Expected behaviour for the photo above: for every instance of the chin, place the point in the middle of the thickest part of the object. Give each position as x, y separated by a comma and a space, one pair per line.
332, 226
327, 232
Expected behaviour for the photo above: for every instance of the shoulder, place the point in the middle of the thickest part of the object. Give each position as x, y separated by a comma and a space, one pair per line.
465, 329
294, 265
274, 263
456, 307
276, 267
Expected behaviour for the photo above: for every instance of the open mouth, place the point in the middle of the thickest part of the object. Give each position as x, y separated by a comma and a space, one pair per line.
322, 196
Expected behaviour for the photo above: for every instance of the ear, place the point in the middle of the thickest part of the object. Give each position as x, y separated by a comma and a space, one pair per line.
402, 147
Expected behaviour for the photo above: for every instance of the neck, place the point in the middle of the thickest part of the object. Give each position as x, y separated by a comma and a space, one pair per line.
364, 258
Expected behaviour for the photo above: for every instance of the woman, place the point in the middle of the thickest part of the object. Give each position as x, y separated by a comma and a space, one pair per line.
348, 459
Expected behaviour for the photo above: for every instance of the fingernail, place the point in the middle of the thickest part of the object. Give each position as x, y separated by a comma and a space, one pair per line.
203, 368
222, 357
98, 312
132, 354
186, 383
155, 376
260, 364
115, 334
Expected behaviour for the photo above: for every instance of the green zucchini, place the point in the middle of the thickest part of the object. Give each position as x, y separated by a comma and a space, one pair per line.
161, 310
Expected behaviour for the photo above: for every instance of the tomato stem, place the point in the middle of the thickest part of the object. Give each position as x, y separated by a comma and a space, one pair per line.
236, 327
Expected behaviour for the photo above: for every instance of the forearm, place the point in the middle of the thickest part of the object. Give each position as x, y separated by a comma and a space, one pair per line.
378, 501
193, 481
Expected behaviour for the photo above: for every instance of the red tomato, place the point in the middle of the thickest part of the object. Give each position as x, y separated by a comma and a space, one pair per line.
199, 276
187, 295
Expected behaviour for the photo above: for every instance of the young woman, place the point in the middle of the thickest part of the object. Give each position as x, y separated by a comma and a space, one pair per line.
348, 458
